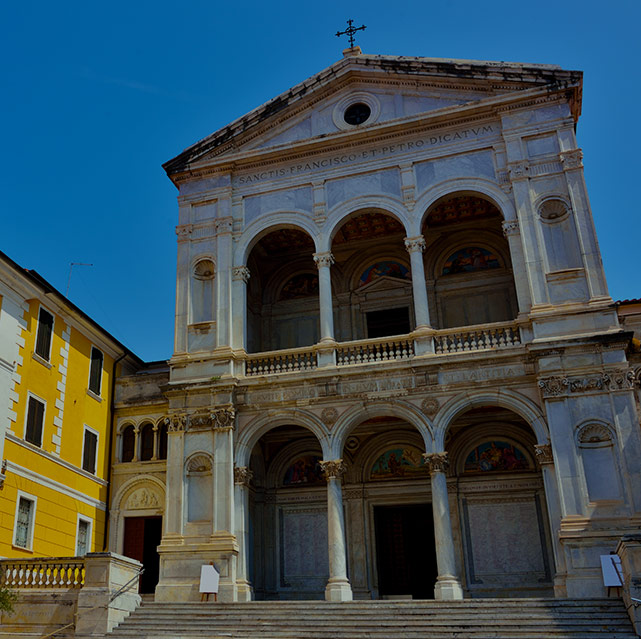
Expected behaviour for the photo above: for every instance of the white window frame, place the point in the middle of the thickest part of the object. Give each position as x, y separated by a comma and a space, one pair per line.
32, 523
93, 392
88, 521
53, 328
26, 417
82, 457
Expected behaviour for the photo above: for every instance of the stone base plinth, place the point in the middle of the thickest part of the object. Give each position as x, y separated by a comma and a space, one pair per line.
338, 590
448, 589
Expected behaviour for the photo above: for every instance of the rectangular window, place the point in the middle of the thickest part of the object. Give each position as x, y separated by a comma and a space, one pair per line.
95, 371
23, 525
83, 539
35, 421
90, 451
43, 337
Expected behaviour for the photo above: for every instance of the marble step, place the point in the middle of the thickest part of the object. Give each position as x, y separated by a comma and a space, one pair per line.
469, 619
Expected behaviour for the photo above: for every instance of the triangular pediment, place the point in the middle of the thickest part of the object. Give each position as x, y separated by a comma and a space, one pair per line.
394, 90
383, 283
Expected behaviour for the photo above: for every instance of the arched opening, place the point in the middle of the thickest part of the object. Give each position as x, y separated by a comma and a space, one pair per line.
371, 279
146, 442
128, 443
467, 263
388, 511
282, 292
498, 506
287, 555
162, 440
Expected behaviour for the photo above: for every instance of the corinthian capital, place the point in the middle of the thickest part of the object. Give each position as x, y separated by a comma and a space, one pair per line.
436, 462
242, 475
223, 418
323, 259
415, 244
332, 469
241, 273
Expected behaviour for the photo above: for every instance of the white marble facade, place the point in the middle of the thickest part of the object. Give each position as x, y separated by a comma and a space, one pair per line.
395, 351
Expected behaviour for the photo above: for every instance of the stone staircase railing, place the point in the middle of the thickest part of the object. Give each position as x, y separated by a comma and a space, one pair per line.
366, 351
476, 338
58, 572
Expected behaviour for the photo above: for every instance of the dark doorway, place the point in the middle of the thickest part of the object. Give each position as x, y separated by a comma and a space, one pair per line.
142, 537
405, 550
393, 321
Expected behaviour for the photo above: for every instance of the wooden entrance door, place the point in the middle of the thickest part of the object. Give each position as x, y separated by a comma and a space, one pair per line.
405, 551
142, 537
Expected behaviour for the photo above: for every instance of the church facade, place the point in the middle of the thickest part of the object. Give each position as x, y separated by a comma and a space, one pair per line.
397, 369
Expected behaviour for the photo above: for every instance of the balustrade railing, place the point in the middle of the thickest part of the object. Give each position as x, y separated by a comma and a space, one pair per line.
285, 361
375, 350
476, 338
58, 572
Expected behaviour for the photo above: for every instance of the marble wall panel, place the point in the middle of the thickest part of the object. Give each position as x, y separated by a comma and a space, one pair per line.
479, 164
304, 562
542, 145
299, 199
387, 182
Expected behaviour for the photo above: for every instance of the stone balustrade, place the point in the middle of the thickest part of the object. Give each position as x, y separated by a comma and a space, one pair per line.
58, 572
368, 351
476, 338
285, 361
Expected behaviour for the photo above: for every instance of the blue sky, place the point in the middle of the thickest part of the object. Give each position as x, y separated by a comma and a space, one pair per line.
98, 95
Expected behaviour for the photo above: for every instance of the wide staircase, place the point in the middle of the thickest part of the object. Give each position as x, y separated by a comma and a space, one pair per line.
469, 619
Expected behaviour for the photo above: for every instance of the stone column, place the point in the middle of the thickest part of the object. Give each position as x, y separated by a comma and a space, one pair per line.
423, 331
223, 281
173, 524
338, 587
545, 460
326, 356
154, 452
240, 277
136, 456
513, 235
448, 583
242, 479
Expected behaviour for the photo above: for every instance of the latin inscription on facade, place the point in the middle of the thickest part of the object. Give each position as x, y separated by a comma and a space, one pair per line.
383, 151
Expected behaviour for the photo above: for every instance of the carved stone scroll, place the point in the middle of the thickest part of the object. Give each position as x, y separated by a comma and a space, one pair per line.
543, 453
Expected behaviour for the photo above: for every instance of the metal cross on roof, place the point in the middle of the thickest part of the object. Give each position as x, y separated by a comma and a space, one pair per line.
350, 31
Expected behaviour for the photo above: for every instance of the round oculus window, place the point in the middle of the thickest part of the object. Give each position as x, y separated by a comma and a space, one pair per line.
357, 113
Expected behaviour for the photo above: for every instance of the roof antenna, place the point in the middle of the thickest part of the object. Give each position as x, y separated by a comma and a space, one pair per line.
350, 31
71, 265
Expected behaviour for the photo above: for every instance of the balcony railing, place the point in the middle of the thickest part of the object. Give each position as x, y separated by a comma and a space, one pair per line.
367, 351
285, 361
481, 337
476, 338
58, 572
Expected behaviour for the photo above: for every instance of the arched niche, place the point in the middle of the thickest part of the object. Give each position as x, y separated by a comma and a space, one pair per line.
371, 279
467, 263
199, 488
282, 292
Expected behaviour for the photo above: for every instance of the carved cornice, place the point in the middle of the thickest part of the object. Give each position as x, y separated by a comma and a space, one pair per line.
242, 476
223, 418
607, 381
519, 170
510, 227
572, 159
241, 273
543, 454
224, 225
176, 422
415, 244
323, 259
332, 469
184, 231
436, 462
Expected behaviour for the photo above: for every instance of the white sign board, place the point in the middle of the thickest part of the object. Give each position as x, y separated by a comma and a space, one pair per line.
611, 569
209, 578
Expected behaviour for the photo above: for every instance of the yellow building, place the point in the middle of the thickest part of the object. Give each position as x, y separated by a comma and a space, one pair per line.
57, 368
